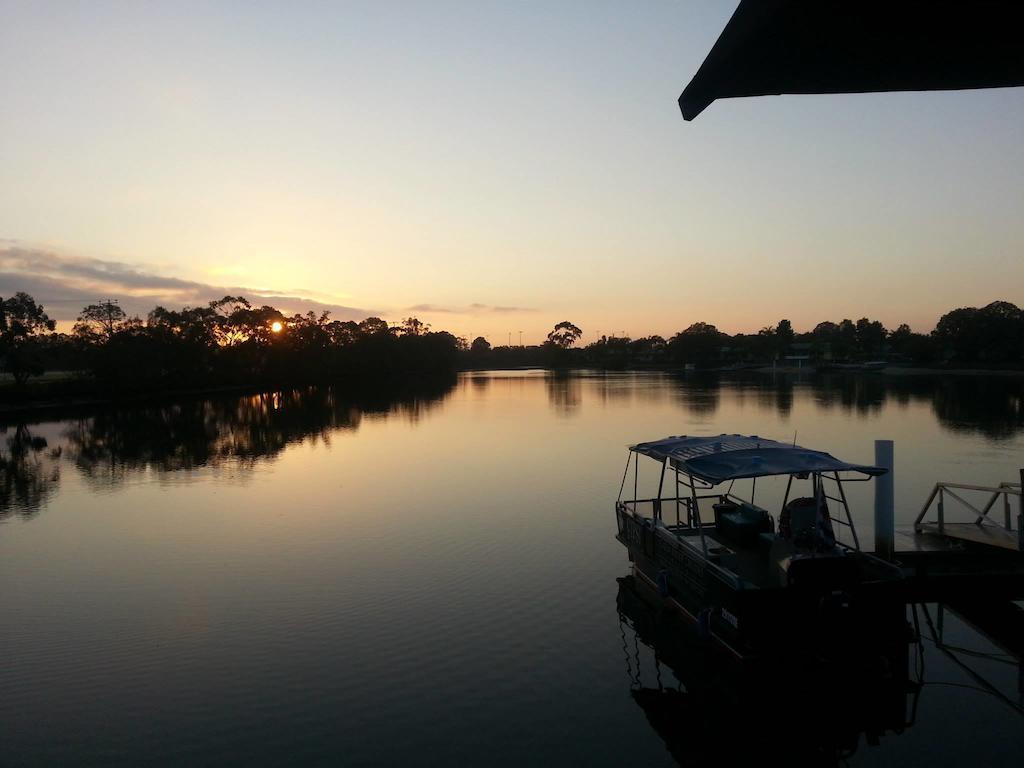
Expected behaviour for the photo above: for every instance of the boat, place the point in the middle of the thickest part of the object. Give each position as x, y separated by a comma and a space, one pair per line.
754, 582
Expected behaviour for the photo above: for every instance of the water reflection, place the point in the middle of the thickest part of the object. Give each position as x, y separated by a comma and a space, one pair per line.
698, 395
992, 406
112, 444
565, 391
710, 710
108, 445
29, 471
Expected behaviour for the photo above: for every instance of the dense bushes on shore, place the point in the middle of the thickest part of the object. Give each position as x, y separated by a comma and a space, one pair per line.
228, 342
990, 337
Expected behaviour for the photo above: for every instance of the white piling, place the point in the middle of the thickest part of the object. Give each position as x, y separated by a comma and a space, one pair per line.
885, 515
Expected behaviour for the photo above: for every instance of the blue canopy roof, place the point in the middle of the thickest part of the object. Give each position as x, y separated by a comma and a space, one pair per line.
731, 457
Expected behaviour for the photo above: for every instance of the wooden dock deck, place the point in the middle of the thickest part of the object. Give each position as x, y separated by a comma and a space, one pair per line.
989, 535
941, 567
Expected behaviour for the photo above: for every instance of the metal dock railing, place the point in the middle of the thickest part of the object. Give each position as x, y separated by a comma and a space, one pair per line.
984, 528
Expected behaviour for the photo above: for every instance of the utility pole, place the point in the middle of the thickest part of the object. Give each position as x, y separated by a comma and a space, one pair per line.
520, 338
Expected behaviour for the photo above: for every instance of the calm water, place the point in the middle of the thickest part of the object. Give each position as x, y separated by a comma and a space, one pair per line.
424, 579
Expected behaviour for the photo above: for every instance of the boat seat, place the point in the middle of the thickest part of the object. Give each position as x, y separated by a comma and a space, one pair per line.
741, 523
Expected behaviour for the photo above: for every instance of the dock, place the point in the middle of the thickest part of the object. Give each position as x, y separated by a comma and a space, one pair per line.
965, 554
966, 543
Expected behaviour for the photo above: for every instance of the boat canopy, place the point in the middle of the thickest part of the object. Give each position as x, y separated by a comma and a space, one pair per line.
732, 457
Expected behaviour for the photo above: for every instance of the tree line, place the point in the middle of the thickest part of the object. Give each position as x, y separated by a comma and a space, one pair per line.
226, 342
233, 342
988, 337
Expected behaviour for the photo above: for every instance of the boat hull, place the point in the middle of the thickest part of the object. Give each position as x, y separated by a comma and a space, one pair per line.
829, 608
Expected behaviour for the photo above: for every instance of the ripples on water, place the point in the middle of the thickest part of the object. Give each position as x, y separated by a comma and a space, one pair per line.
425, 577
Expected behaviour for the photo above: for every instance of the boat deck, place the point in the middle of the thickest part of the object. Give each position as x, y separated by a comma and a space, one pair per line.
751, 564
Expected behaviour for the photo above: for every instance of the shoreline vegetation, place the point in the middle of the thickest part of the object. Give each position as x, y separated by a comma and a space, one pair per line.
232, 346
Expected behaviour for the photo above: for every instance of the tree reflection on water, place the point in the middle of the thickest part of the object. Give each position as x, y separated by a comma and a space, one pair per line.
110, 445
991, 406
114, 443
29, 472
564, 391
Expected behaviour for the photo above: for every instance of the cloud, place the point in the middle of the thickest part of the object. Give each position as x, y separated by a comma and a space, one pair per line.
432, 308
500, 310
64, 284
472, 309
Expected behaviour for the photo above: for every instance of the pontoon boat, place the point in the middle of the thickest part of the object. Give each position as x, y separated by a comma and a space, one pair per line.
749, 578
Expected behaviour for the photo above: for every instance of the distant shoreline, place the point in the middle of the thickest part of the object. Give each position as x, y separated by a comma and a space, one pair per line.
56, 401
42, 401
888, 371
767, 369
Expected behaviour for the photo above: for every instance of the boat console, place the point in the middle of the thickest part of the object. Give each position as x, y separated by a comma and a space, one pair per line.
741, 522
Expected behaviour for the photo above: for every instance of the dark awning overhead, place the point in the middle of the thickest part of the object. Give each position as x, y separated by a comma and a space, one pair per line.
771, 47
732, 457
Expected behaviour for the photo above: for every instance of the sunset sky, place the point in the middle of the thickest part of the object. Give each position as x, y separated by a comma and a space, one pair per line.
489, 167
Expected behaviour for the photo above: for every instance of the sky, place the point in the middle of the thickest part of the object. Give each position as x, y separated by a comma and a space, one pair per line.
490, 167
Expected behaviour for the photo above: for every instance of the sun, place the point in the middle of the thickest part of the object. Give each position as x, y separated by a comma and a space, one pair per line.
276, 326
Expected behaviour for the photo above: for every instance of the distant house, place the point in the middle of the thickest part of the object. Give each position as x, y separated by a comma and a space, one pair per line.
797, 361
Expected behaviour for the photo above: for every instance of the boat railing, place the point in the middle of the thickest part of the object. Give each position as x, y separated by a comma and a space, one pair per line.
674, 511
659, 509
990, 513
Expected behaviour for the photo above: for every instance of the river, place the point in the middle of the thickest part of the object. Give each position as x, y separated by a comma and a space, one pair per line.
425, 577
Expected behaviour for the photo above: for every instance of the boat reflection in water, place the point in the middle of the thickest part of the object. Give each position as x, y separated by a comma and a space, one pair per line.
711, 708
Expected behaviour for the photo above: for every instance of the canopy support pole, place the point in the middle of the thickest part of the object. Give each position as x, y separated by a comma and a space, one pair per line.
676, 468
696, 515
625, 474
661, 484
636, 475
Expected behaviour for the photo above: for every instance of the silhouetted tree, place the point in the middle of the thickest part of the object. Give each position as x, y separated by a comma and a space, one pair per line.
870, 336
992, 334
699, 344
374, 325
343, 333
21, 322
906, 344
783, 336
564, 335
412, 326
101, 321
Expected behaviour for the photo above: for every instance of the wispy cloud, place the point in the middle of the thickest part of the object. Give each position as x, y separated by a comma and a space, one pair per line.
471, 309
500, 310
64, 284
